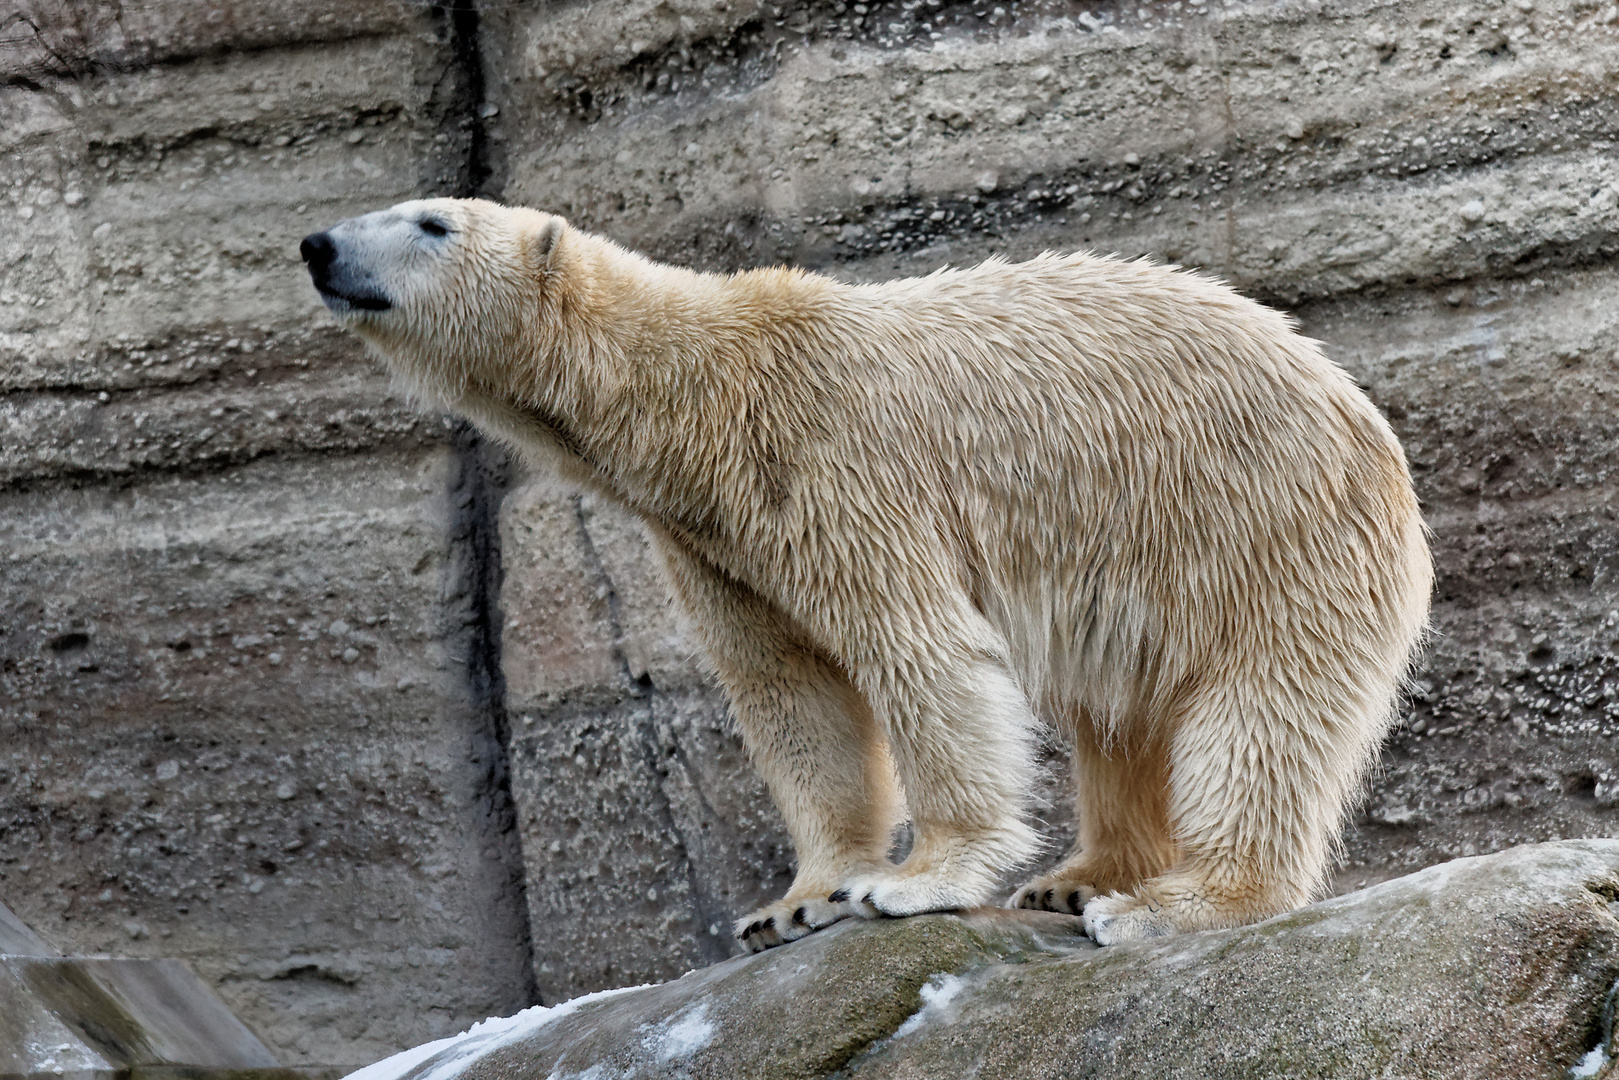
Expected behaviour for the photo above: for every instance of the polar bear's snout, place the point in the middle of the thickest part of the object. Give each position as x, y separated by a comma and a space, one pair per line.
319, 251
345, 284
396, 260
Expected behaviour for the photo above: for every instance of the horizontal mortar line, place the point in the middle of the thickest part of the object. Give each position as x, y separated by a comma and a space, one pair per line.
179, 60
210, 465
346, 376
1452, 512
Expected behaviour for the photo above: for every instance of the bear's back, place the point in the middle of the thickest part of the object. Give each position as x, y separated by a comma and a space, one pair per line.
1089, 372
1162, 450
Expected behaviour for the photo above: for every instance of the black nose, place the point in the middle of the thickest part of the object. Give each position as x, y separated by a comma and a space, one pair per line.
318, 251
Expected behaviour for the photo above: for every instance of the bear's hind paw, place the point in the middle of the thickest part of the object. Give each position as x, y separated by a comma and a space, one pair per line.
1058, 894
898, 894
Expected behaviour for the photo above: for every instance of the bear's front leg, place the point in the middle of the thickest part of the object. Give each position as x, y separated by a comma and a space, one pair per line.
960, 730
808, 732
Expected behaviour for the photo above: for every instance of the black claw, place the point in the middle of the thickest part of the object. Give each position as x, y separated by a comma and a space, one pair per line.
801, 917
869, 898
769, 924
1045, 897
838, 897
753, 928
1073, 902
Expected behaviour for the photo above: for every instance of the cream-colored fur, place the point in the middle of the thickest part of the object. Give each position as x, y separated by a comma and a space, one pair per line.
912, 522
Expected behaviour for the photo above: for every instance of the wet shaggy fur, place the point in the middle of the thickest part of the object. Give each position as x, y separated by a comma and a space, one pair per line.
913, 523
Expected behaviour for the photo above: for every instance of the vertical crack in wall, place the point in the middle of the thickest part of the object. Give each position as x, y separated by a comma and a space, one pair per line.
467, 51
706, 910
481, 477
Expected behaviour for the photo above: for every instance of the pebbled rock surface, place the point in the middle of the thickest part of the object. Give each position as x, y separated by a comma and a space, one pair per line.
1492, 966
248, 716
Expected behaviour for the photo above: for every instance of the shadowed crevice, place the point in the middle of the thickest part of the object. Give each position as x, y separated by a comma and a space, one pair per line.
467, 50
482, 475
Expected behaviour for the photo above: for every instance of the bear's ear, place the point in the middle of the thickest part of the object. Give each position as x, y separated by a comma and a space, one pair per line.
542, 243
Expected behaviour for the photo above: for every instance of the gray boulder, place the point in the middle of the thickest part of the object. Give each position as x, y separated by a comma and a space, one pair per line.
1497, 966
103, 1018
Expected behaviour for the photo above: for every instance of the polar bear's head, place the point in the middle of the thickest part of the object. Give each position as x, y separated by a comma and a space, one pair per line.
440, 287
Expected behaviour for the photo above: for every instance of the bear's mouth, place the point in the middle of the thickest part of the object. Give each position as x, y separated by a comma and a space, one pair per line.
340, 302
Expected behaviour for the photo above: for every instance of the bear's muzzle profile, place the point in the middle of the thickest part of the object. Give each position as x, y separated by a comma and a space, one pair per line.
341, 288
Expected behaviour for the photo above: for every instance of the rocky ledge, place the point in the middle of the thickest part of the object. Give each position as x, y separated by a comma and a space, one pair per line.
104, 1018
1502, 965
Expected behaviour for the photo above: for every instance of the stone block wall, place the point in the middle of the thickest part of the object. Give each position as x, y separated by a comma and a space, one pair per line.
246, 714
316, 692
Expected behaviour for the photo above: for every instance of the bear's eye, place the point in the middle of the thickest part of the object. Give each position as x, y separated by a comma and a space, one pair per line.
432, 227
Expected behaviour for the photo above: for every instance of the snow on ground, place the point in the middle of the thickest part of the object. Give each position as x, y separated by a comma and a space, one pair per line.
445, 1058
937, 995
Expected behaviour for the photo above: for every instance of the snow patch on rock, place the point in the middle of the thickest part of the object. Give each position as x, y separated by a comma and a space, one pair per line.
937, 995
682, 1036
446, 1058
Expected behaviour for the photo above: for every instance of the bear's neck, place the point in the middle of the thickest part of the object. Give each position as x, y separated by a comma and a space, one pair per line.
688, 395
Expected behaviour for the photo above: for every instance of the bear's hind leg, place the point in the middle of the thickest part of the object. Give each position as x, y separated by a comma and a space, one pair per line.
1258, 779
1121, 803
810, 735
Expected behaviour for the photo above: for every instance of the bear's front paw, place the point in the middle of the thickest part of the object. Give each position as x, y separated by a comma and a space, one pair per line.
788, 919
1116, 917
1054, 893
898, 893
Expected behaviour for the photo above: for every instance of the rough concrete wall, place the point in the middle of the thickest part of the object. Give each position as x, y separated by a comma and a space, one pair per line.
246, 717
1423, 184
645, 832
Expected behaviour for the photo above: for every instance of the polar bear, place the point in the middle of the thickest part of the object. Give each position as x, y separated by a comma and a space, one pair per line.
919, 524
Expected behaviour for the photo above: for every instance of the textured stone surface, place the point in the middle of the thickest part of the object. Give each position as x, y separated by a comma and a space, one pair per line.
238, 730
156, 209
103, 1017
247, 715
1493, 966
18, 939
629, 780
1502, 399
1303, 149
